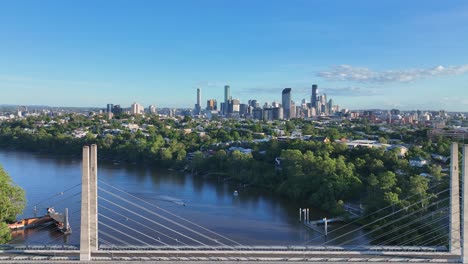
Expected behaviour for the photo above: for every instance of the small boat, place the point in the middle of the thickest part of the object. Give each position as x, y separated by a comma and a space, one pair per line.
60, 220
236, 193
30, 222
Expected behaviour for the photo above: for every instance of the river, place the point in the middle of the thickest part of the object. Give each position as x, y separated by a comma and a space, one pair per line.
186, 206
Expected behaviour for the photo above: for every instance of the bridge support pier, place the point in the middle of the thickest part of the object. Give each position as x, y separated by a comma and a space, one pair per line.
454, 236
88, 233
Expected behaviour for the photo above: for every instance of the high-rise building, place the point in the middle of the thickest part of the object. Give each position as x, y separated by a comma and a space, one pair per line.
330, 107
254, 103
313, 111
223, 107
286, 99
109, 108
234, 106
292, 111
116, 109
197, 110
136, 109
227, 93
211, 105
299, 111
172, 112
257, 113
198, 96
227, 97
270, 113
277, 113
243, 109
152, 109
313, 99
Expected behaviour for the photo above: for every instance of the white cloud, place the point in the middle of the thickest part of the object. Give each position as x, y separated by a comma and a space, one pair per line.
210, 84
455, 101
349, 91
362, 74
306, 92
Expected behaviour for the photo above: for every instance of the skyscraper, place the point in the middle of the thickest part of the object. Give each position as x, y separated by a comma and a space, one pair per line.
152, 109
227, 97
292, 111
286, 99
109, 108
136, 109
198, 104
313, 99
211, 105
116, 109
234, 106
227, 93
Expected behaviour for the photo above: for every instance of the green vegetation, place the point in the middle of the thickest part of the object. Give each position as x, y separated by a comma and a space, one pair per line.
315, 173
12, 202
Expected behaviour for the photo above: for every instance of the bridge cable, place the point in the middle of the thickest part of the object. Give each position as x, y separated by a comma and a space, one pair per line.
159, 241
127, 235
141, 233
152, 229
425, 225
427, 233
380, 219
370, 214
169, 220
421, 246
123, 243
172, 214
159, 224
406, 225
395, 220
130, 219
56, 195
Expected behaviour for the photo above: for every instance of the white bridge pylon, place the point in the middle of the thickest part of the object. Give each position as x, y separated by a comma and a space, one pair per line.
89, 215
458, 232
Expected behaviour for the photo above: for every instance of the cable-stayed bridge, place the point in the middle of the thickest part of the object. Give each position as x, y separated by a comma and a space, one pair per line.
119, 226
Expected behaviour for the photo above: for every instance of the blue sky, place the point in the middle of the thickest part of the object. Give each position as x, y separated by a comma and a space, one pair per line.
363, 54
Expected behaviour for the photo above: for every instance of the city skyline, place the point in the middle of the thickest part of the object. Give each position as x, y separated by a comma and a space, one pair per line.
365, 54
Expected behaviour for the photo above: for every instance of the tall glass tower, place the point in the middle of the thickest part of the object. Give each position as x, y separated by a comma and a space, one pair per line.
227, 97
313, 99
286, 96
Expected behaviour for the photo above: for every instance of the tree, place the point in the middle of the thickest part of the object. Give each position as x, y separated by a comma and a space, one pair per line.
435, 171
166, 154
386, 180
12, 202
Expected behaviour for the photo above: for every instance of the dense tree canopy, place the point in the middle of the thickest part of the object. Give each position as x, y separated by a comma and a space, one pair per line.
12, 202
